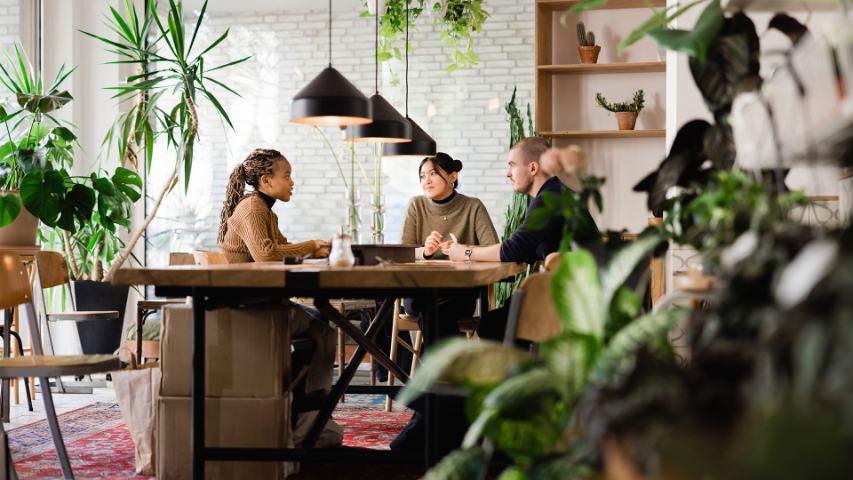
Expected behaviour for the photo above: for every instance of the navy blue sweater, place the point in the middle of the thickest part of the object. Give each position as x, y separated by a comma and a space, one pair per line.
529, 246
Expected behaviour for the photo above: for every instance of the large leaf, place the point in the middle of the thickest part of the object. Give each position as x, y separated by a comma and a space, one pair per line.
125, 180
518, 396
43, 193
731, 58
679, 167
618, 358
693, 42
10, 207
43, 103
468, 464
623, 263
570, 357
576, 290
78, 205
463, 363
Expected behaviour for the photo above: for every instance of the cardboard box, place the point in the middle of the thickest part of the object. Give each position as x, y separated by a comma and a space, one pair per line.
247, 352
230, 422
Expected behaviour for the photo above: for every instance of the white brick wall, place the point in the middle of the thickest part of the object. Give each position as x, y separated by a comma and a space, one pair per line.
10, 13
467, 121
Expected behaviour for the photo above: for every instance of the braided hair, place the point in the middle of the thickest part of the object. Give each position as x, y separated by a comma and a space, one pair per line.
260, 162
444, 164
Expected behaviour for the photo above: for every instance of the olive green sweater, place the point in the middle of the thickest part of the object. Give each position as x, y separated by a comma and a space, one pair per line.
253, 235
465, 217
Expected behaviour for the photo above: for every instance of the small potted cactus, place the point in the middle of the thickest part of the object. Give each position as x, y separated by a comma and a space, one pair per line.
626, 113
587, 49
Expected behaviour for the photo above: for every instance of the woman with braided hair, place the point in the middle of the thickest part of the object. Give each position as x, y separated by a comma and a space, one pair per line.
248, 232
248, 228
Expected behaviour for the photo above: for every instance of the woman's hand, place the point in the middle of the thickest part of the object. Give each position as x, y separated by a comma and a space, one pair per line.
432, 243
321, 248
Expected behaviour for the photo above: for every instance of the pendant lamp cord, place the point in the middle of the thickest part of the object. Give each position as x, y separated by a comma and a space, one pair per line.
376, 49
407, 58
330, 33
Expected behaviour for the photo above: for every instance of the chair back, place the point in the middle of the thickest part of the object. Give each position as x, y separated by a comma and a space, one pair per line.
532, 313
51, 268
552, 262
209, 258
15, 281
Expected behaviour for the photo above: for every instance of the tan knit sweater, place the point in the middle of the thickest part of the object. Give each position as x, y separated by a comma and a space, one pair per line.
253, 235
465, 217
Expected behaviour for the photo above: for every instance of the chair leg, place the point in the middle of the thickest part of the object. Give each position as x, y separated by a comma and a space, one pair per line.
26, 383
53, 422
341, 356
417, 343
395, 334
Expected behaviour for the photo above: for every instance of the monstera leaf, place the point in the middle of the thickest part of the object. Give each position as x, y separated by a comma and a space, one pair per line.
43, 103
10, 207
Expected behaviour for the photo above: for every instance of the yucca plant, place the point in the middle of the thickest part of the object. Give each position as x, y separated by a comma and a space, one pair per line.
180, 71
524, 406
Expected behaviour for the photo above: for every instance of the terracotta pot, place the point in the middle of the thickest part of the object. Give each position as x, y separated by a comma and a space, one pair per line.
626, 120
589, 54
23, 231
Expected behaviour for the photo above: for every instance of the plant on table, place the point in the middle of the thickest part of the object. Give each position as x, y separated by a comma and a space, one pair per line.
626, 112
587, 49
37, 156
181, 70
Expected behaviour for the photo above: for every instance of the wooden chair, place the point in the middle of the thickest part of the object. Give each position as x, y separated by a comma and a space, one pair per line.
16, 291
207, 257
532, 314
52, 271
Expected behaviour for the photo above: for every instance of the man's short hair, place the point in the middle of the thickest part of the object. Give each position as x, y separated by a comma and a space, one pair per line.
531, 148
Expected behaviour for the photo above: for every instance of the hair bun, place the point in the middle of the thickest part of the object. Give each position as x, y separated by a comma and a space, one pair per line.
457, 165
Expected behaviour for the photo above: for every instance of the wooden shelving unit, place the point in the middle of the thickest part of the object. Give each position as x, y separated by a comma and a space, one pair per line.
578, 68
578, 134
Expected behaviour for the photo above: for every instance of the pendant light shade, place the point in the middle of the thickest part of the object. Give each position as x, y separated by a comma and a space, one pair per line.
388, 125
422, 145
330, 99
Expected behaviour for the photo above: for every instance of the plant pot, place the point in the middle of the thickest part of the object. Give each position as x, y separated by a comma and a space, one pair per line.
626, 120
23, 231
589, 54
100, 336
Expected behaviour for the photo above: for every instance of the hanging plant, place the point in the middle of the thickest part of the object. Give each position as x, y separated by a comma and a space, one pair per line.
456, 20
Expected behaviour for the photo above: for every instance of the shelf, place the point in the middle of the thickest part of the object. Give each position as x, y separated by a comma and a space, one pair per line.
577, 134
610, 5
626, 67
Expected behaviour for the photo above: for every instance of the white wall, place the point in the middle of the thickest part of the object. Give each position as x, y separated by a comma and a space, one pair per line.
462, 110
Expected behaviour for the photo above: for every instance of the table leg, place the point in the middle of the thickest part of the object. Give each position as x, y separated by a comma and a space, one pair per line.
431, 405
7, 350
340, 387
197, 405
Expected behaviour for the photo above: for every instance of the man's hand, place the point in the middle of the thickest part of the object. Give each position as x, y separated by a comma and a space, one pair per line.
456, 252
432, 243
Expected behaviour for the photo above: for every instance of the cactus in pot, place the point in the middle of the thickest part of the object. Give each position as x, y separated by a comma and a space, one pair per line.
587, 49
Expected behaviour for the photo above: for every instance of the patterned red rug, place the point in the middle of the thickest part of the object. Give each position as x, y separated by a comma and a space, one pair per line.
100, 447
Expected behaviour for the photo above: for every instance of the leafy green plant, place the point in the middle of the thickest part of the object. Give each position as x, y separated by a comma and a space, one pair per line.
518, 204
524, 406
38, 152
636, 106
457, 22
180, 70
585, 39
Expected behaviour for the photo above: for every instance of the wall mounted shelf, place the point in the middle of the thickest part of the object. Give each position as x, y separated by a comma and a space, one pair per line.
580, 134
627, 67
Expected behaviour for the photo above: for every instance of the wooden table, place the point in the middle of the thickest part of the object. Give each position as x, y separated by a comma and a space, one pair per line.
218, 286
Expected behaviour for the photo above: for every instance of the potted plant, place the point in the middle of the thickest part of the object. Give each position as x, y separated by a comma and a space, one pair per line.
626, 113
36, 158
587, 49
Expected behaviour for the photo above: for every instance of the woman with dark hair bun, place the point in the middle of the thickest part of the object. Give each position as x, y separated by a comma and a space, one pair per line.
442, 211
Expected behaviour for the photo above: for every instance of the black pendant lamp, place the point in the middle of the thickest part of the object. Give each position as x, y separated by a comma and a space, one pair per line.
330, 99
388, 125
422, 145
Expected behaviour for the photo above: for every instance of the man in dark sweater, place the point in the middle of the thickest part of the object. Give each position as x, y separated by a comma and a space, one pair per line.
526, 245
